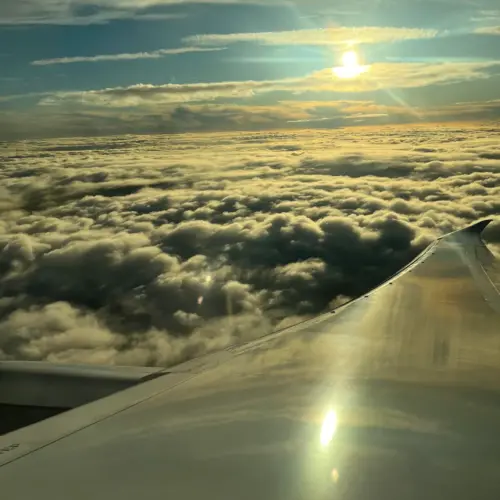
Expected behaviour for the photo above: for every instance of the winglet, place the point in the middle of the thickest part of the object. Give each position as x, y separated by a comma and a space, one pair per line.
478, 227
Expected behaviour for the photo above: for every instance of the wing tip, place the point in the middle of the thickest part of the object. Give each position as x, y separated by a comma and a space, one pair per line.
478, 227
473, 229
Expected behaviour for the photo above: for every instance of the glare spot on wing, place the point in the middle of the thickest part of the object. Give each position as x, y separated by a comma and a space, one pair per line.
328, 428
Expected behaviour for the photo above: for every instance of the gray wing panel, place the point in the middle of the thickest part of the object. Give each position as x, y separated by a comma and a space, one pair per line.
396, 395
24, 383
34, 391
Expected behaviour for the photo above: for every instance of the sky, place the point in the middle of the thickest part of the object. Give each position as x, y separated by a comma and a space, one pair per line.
104, 67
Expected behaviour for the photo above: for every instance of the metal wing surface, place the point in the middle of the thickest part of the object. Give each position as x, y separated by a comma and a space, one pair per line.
392, 396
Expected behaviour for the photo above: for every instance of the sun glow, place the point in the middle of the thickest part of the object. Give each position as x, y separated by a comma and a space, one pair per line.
350, 66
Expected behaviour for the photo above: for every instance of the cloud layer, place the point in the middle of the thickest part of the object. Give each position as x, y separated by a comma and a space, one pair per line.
151, 250
380, 76
237, 105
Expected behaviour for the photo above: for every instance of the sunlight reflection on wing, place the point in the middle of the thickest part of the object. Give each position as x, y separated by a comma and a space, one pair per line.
328, 427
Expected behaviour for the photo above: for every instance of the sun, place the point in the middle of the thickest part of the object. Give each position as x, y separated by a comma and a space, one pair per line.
350, 66
350, 59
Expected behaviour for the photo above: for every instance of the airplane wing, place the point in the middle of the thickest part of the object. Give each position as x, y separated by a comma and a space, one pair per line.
33, 391
392, 396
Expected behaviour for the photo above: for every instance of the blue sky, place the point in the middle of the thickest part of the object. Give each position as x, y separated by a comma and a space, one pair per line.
100, 67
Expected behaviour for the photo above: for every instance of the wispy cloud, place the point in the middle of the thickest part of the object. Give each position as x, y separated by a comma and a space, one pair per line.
488, 30
321, 36
144, 94
155, 54
81, 12
486, 15
102, 11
